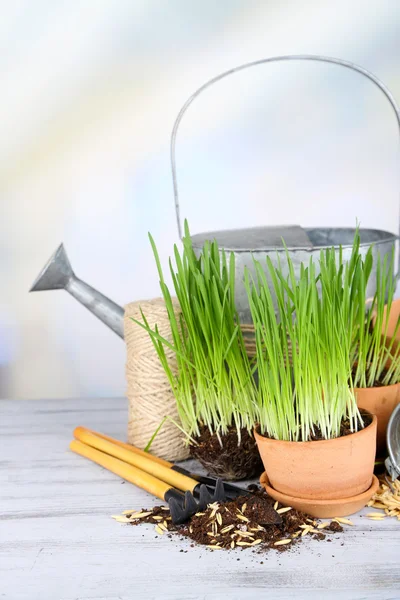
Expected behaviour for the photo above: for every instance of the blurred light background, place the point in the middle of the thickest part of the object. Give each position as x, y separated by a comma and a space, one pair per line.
90, 91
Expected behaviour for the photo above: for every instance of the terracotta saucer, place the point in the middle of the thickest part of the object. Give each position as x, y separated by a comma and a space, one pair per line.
323, 509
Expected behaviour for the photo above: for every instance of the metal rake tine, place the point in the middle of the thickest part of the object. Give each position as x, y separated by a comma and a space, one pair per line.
219, 492
182, 511
190, 505
177, 511
205, 498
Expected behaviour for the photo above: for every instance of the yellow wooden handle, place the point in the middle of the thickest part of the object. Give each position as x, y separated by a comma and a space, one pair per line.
129, 447
132, 474
175, 479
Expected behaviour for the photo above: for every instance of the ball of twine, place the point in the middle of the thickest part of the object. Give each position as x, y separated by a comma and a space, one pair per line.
149, 393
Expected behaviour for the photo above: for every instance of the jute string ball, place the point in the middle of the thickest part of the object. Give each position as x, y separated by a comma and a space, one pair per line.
149, 393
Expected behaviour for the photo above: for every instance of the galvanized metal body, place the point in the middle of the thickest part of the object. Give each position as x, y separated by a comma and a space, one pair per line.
58, 275
262, 241
392, 463
247, 244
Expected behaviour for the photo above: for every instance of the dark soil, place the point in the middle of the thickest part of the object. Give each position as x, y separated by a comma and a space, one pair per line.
229, 461
378, 382
344, 428
335, 527
248, 522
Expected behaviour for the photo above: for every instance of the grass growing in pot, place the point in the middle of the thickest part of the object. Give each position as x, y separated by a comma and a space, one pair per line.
311, 435
214, 386
303, 347
376, 356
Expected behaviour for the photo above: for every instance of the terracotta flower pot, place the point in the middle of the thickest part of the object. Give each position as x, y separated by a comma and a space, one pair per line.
392, 321
380, 401
324, 469
323, 509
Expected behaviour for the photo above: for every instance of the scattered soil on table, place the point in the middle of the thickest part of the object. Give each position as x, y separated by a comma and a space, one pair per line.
248, 522
231, 461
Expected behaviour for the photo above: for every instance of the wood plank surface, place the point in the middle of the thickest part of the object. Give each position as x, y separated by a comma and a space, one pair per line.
58, 542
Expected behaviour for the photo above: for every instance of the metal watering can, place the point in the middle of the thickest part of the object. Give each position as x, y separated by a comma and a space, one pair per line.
259, 241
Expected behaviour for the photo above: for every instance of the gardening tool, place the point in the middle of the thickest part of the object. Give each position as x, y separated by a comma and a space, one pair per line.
231, 490
267, 241
392, 463
182, 505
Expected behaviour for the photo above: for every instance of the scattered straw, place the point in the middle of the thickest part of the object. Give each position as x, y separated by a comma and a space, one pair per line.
387, 501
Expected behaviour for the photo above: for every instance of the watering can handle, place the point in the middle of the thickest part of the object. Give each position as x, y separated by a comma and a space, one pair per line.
313, 57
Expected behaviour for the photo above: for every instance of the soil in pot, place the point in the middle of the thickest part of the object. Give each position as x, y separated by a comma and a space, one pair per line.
324, 469
229, 461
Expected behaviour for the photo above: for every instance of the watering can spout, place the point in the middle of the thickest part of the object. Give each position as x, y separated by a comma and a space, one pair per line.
58, 275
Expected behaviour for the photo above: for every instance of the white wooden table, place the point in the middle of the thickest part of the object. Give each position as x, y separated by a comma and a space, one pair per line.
58, 542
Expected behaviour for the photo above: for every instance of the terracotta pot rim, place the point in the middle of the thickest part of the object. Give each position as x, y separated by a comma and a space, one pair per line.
287, 499
376, 389
359, 433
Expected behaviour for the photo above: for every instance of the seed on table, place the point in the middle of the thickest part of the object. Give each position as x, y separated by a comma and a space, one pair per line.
159, 530
374, 514
282, 542
227, 528
323, 525
343, 521
242, 518
280, 511
243, 533
121, 519
256, 542
243, 544
305, 531
232, 544
214, 547
296, 534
